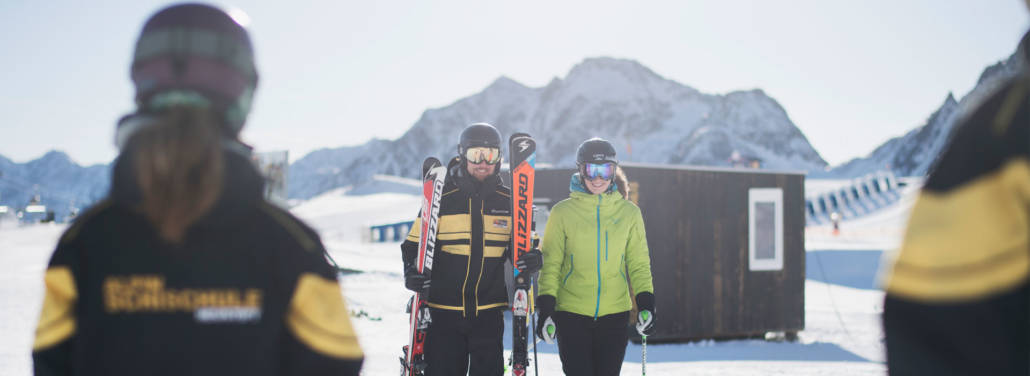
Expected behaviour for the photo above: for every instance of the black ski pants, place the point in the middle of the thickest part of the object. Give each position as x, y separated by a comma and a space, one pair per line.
589, 347
456, 345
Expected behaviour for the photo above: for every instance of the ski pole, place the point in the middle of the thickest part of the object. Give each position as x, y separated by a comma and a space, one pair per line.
532, 328
643, 355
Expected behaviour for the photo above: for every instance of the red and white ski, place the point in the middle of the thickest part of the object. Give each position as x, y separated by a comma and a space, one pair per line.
413, 362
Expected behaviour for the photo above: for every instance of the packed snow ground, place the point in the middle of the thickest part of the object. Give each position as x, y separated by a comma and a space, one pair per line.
843, 304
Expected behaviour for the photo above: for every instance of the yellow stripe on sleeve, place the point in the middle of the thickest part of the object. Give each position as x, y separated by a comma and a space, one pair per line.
57, 319
966, 243
318, 317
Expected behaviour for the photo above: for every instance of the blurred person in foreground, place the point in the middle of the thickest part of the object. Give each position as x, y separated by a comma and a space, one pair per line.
957, 297
185, 269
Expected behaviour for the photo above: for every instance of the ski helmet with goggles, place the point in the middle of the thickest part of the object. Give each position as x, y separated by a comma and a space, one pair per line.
195, 55
480, 142
596, 158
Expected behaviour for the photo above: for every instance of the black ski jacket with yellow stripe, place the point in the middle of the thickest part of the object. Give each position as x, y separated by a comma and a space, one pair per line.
957, 293
474, 229
247, 292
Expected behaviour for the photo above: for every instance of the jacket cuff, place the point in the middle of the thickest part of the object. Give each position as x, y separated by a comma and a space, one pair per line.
545, 304
645, 301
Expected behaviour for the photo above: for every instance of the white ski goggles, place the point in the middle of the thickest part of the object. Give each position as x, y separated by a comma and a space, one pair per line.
481, 154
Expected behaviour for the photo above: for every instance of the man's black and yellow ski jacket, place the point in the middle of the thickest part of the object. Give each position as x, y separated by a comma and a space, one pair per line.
471, 244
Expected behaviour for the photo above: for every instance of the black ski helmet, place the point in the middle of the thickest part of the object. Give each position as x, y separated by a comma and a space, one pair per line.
195, 55
478, 134
595, 150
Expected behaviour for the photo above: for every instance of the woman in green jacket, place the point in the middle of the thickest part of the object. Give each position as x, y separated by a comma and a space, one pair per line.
594, 240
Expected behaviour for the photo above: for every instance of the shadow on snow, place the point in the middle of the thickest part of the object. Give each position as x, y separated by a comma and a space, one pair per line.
756, 350
856, 269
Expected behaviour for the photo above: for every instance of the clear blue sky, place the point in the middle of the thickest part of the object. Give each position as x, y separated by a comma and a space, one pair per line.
851, 74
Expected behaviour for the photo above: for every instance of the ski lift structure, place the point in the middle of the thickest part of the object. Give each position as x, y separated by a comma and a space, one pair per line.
727, 246
274, 168
390, 232
35, 212
858, 197
6, 214
5, 211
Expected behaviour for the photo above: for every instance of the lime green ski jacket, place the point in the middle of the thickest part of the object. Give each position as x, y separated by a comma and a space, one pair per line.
590, 243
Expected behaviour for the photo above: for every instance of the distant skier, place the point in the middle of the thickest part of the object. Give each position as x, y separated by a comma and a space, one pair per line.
592, 240
835, 219
957, 294
467, 294
185, 269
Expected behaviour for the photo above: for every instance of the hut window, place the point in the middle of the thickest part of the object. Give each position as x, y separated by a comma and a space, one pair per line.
765, 229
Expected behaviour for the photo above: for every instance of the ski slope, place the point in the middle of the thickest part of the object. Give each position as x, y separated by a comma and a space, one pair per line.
843, 304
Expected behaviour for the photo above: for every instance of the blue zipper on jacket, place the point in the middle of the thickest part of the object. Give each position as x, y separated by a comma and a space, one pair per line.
597, 307
572, 266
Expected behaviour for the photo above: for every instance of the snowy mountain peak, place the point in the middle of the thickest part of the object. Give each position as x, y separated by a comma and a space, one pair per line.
503, 83
1006, 67
630, 72
754, 94
624, 66
914, 153
55, 155
51, 159
654, 120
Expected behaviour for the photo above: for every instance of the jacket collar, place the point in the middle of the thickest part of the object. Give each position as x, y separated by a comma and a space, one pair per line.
578, 191
243, 185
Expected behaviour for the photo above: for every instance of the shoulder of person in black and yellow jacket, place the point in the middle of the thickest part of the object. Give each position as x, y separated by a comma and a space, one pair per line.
246, 291
471, 245
957, 298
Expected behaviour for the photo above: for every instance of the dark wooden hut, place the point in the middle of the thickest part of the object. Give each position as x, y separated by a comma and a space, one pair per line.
727, 247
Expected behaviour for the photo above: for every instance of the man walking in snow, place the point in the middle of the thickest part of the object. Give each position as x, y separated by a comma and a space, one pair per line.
467, 295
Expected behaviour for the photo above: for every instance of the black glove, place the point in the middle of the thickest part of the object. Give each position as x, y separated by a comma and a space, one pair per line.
544, 311
530, 262
645, 314
415, 281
